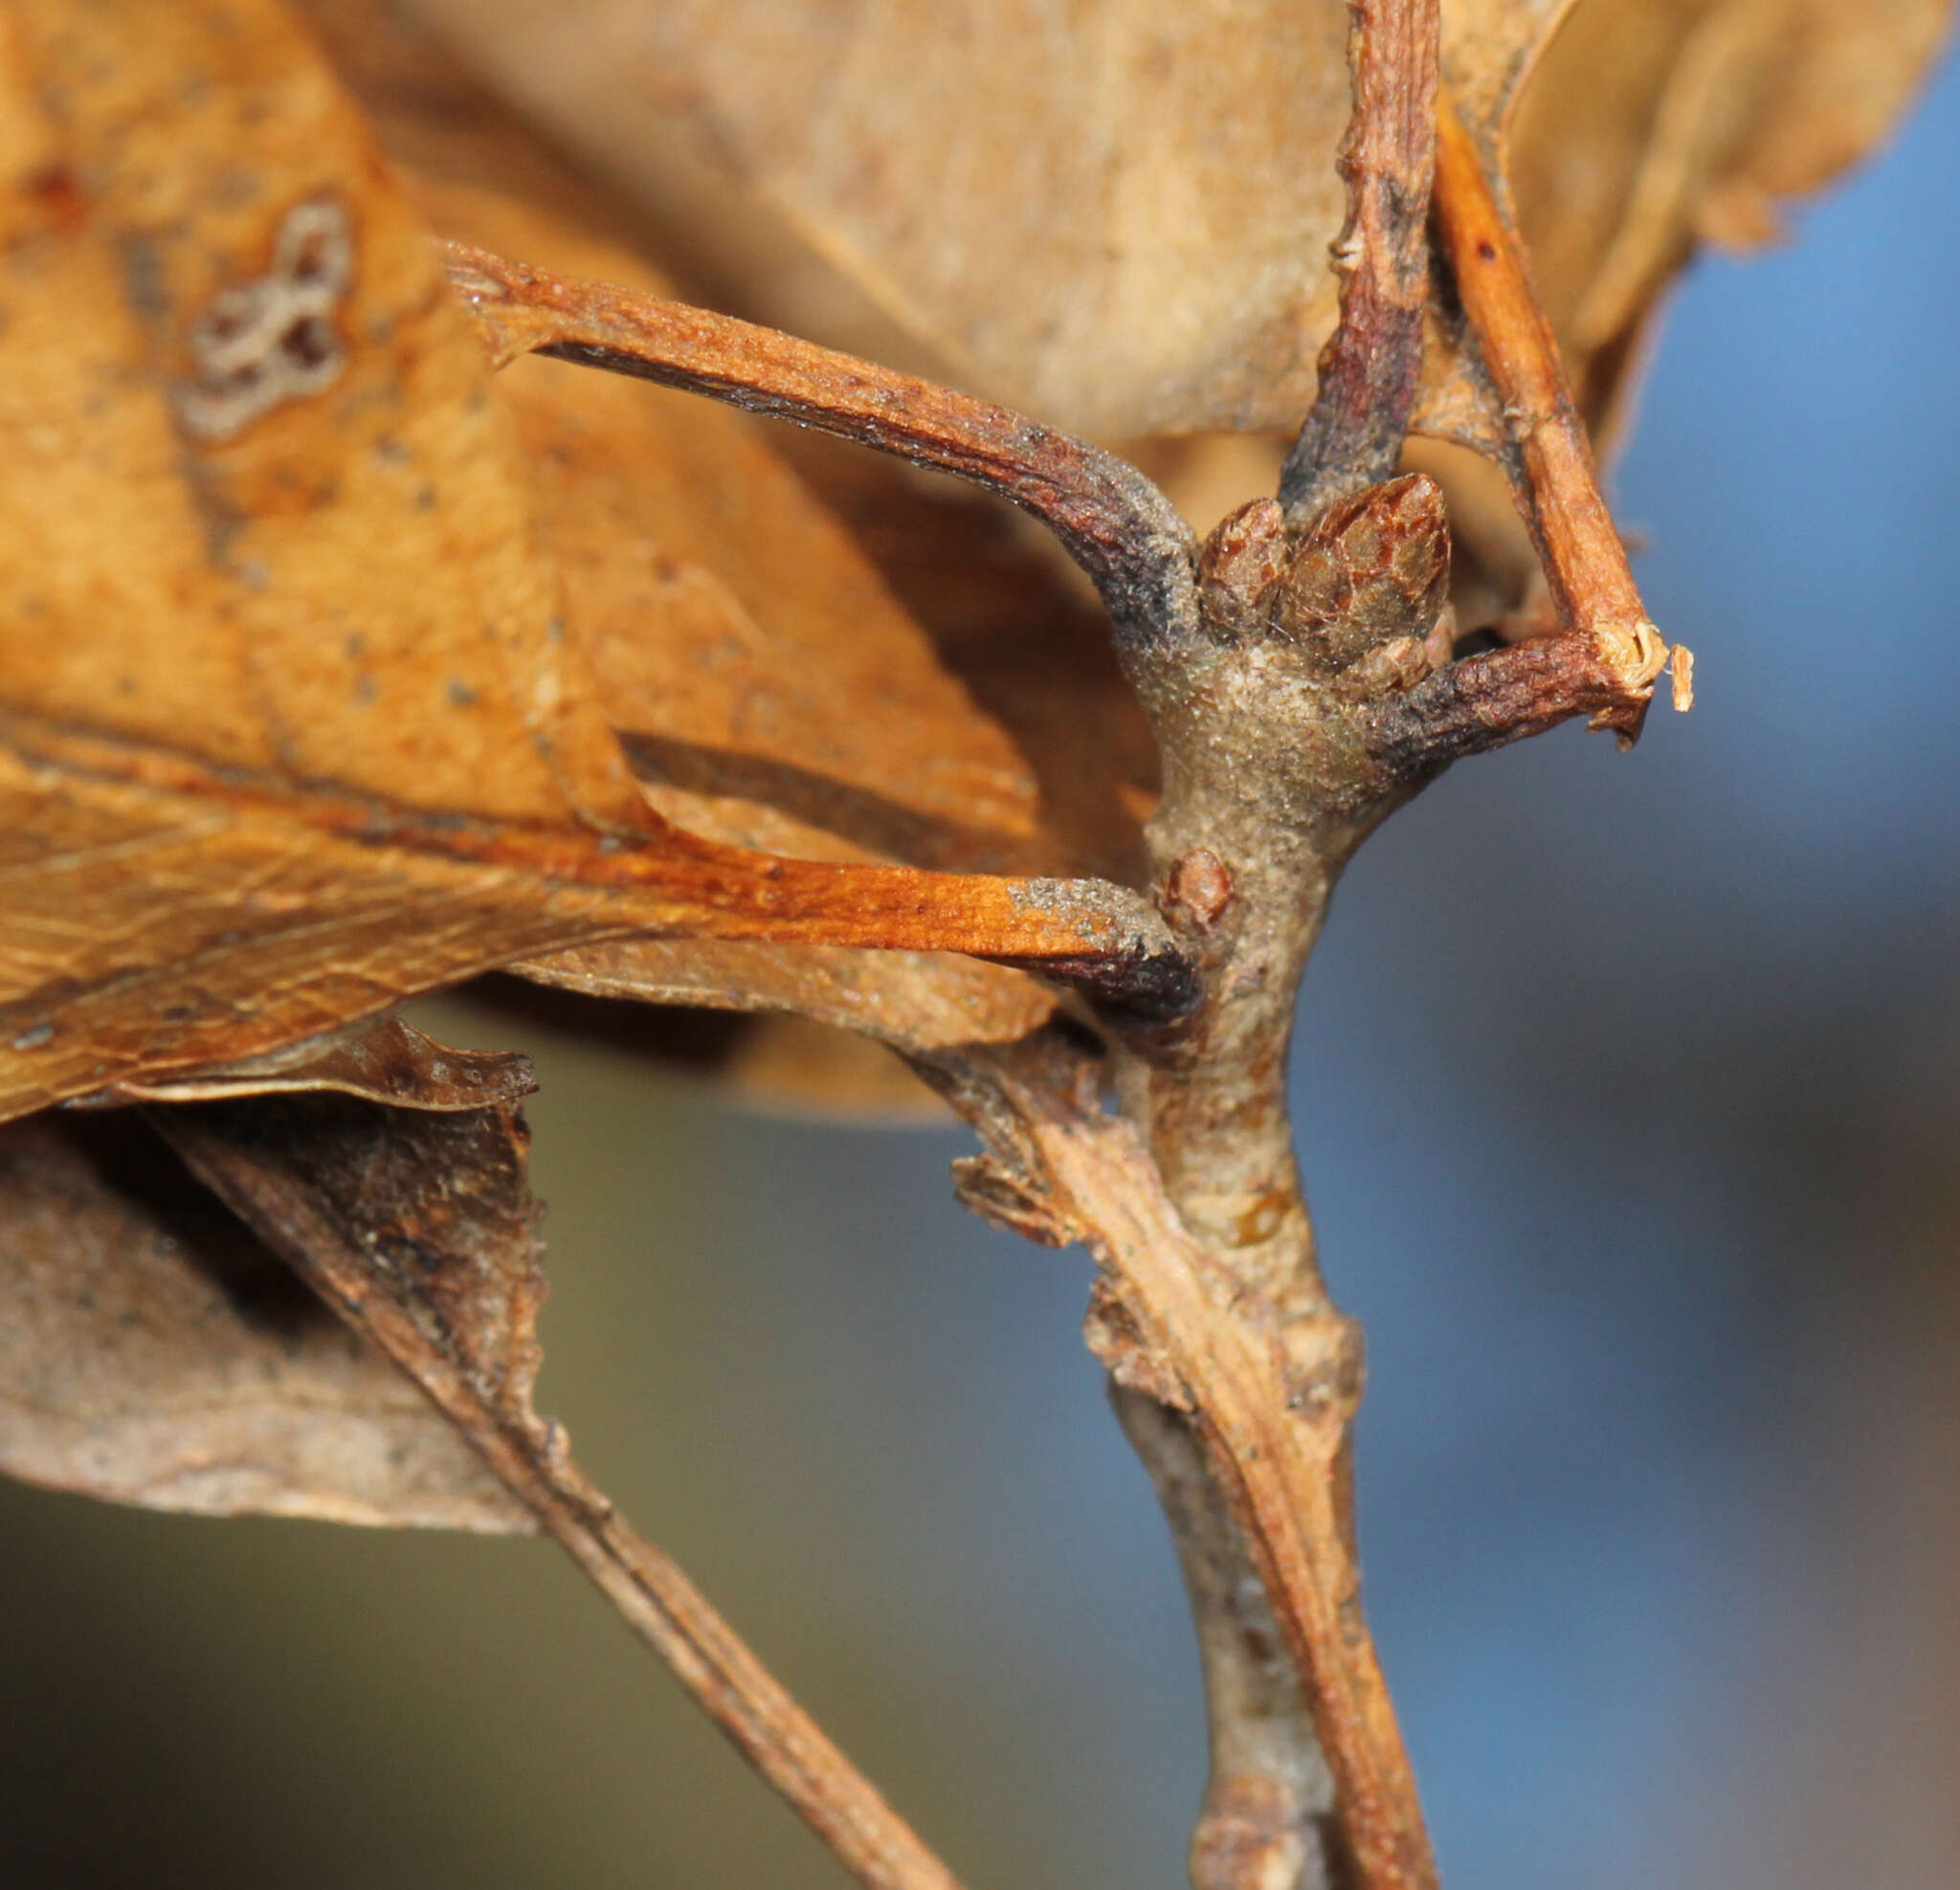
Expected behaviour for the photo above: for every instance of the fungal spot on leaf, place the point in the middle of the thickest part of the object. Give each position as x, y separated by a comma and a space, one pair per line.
307, 344
273, 339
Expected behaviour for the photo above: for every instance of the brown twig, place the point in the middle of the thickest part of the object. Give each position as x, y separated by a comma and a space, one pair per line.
1114, 522
1270, 1405
1488, 701
1270, 783
1585, 563
1353, 435
1269, 1813
417, 1231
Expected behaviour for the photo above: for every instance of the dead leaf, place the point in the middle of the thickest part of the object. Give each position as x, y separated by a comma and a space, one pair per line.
154, 1352
1111, 216
1720, 110
1117, 216
235, 378
364, 1201
894, 673
249, 426
444, 1279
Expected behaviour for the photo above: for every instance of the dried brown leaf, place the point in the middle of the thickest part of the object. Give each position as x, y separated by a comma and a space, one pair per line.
153, 1351
249, 426
445, 1279
886, 670
1112, 216
430, 1211
1117, 216
1717, 112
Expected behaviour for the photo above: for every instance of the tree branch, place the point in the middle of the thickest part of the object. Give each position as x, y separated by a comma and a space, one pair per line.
1269, 1404
1270, 783
1352, 436
1269, 1814
1113, 521
1322, 701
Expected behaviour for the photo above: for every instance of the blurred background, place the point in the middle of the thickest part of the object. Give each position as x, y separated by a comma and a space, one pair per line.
1629, 1092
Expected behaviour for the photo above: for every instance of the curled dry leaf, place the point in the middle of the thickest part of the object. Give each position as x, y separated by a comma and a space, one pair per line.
364, 1202
1117, 216
248, 425
154, 1352
1719, 111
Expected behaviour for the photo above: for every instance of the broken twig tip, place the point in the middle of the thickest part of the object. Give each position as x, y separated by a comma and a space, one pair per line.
1636, 649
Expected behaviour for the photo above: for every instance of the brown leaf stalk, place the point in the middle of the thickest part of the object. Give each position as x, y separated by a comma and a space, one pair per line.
1114, 522
669, 882
443, 1279
1502, 696
1593, 588
1368, 370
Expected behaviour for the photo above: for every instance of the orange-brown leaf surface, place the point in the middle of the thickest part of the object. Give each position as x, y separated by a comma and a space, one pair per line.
841, 661
299, 704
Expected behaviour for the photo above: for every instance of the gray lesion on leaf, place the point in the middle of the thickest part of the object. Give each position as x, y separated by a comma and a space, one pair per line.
259, 343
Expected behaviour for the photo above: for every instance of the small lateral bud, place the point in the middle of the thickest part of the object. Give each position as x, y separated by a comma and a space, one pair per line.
1238, 568
1391, 667
1440, 643
1374, 566
1197, 890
